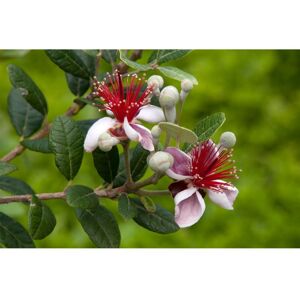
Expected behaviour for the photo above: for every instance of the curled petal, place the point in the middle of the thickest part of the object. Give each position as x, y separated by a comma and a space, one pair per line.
130, 132
224, 199
189, 210
151, 113
177, 176
93, 134
183, 195
145, 137
182, 162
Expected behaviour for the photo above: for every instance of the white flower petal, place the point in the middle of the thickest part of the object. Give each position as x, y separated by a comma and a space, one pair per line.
151, 113
110, 113
93, 134
184, 194
145, 136
130, 132
176, 176
190, 210
220, 198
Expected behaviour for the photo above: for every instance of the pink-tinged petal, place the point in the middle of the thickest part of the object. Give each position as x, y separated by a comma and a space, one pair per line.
189, 211
231, 193
182, 161
93, 134
176, 176
183, 195
151, 113
130, 132
145, 137
110, 113
177, 187
220, 198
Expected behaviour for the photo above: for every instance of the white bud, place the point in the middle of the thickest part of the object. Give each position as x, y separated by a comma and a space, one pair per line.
169, 96
106, 142
156, 80
170, 114
156, 131
186, 85
160, 161
227, 139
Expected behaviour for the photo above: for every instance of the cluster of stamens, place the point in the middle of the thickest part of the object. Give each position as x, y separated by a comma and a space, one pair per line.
122, 95
210, 165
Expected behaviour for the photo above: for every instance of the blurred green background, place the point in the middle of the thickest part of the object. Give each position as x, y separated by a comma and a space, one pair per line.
259, 92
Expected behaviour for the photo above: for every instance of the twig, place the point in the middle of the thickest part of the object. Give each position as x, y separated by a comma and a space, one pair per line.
127, 163
152, 192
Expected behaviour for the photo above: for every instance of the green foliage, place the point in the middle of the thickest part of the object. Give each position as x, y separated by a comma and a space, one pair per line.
100, 225
30, 91
81, 196
126, 208
78, 86
175, 73
40, 145
110, 56
13, 234
41, 220
24, 117
66, 142
6, 168
133, 64
160, 221
14, 186
163, 56
107, 163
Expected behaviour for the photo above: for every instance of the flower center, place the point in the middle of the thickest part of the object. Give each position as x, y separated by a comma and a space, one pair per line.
123, 96
211, 165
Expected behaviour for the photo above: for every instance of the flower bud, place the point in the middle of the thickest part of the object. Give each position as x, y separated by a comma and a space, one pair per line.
156, 80
106, 142
170, 114
156, 131
186, 85
169, 96
160, 161
227, 139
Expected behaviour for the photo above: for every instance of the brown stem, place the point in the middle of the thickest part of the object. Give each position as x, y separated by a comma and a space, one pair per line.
152, 192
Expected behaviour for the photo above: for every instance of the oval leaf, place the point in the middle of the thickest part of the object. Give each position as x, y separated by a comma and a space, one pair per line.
179, 133
20, 80
41, 145
41, 220
126, 208
177, 74
78, 86
66, 142
14, 186
161, 221
206, 127
100, 225
133, 64
110, 56
81, 196
162, 56
6, 168
71, 62
13, 234
24, 117
107, 163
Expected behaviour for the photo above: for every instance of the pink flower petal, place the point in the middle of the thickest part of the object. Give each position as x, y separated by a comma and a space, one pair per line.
145, 137
184, 194
189, 210
130, 132
151, 113
220, 198
93, 134
182, 162
176, 176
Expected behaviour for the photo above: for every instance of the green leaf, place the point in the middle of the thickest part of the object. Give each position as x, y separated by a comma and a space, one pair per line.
41, 145
66, 142
133, 64
100, 225
81, 196
126, 208
110, 56
24, 117
14, 186
20, 80
85, 125
107, 163
206, 127
6, 168
71, 61
161, 221
162, 56
13, 53
78, 86
148, 204
41, 220
13, 234
177, 74
138, 166
183, 134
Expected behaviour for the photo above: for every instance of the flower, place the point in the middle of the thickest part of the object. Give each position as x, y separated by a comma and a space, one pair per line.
202, 170
124, 99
